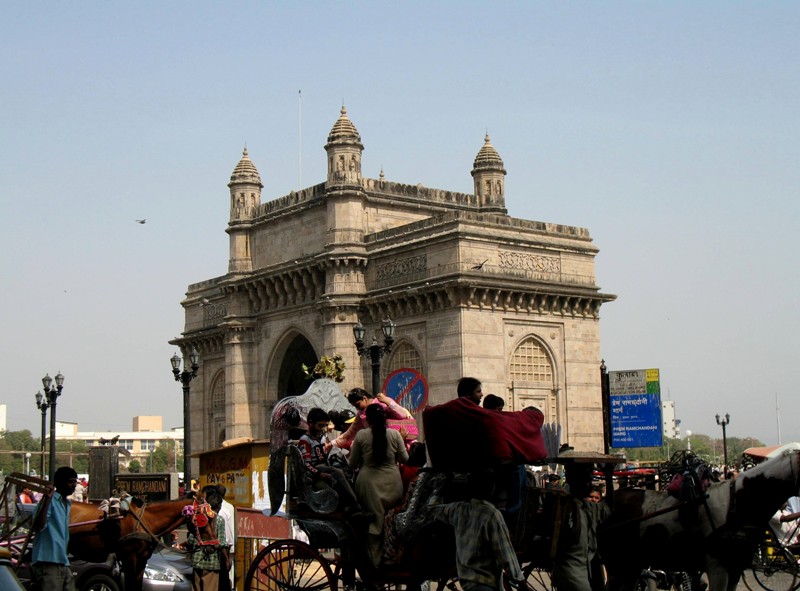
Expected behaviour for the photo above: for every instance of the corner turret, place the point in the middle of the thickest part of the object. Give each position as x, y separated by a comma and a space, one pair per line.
245, 186
488, 175
344, 150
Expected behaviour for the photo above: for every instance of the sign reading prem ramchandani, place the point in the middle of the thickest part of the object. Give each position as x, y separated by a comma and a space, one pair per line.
635, 397
154, 487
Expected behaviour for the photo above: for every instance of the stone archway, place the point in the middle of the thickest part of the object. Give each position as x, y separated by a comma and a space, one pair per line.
291, 379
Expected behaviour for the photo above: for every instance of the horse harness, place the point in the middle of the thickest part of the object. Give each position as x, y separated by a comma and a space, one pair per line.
201, 514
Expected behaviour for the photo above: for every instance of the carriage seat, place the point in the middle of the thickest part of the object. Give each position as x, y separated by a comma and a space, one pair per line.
301, 490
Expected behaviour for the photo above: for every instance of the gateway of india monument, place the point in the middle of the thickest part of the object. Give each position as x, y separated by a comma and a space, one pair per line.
472, 291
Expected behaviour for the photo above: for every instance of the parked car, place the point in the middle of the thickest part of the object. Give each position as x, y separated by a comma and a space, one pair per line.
167, 570
8, 580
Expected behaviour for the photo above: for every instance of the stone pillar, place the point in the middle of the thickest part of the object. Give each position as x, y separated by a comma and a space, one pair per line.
240, 377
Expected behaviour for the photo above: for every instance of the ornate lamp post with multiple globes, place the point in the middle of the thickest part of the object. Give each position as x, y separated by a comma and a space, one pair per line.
724, 424
52, 393
185, 377
42, 405
375, 351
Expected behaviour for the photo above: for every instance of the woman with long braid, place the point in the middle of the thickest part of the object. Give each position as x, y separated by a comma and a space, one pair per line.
376, 452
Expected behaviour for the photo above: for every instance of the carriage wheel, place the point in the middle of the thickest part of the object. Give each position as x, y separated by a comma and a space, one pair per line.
289, 565
539, 579
774, 568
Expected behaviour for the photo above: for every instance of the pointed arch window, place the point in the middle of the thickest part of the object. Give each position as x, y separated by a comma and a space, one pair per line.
217, 428
405, 355
530, 363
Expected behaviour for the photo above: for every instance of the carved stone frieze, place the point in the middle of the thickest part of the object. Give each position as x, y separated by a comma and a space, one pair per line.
413, 302
402, 267
214, 313
293, 287
529, 262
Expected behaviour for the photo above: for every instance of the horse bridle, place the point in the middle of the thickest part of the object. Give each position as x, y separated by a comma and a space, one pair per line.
202, 514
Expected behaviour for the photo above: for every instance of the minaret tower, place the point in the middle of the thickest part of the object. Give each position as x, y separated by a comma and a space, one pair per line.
344, 150
488, 174
245, 189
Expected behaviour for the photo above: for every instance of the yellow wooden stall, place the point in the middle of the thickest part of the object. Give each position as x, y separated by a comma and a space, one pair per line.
241, 466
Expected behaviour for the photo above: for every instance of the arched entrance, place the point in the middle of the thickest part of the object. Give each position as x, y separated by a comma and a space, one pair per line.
291, 379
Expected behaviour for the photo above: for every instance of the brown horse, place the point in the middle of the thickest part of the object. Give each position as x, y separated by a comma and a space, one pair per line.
132, 538
647, 530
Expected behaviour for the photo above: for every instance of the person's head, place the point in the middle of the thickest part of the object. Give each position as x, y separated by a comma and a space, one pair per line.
222, 490
341, 419
317, 420
212, 496
470, 388
492, 402
579, 478
595, 494
359, 398
376, 416
65, 480
481, 484
376, 419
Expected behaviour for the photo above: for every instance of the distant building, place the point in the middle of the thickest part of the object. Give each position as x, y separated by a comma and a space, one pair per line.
146, 435
3, 417
472, 290
669, 422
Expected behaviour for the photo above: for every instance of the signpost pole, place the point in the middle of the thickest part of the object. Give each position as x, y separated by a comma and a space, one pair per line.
604, 389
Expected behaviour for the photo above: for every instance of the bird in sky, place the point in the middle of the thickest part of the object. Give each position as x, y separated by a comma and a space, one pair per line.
480, 266
141, 221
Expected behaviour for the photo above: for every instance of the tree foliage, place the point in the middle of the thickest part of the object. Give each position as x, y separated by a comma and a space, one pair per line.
68, 453
708, 448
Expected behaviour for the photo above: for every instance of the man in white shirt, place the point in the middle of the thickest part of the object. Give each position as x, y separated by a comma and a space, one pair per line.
229, 513
79, 493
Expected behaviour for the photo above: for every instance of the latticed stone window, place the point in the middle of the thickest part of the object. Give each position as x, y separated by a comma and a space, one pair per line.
405, 355
218, 395
530, 363
217, 410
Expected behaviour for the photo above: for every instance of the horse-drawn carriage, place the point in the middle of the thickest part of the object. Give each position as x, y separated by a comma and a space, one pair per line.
648, 530
331, 552
130, 537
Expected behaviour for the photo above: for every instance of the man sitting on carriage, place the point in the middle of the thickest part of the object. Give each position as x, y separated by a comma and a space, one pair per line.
315, 447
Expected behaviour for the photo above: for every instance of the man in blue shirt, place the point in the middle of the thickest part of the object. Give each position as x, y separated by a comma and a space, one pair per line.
50, 563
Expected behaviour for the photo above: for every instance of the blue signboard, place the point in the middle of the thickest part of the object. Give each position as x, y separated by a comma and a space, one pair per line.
408, 388
635, 399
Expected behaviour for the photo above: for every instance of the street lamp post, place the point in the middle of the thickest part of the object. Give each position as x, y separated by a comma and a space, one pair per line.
724, 424
185, 377
52, 393
41, 404
375, 351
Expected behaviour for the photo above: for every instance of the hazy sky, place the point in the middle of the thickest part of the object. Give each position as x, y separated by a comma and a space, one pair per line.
668, 129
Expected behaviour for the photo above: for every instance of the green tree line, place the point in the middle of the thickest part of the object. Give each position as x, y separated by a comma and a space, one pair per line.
708, 448
15, 444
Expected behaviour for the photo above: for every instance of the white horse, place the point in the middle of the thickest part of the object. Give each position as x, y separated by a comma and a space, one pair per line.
647, 530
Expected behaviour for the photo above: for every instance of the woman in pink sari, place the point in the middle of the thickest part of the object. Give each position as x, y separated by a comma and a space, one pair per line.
361, 399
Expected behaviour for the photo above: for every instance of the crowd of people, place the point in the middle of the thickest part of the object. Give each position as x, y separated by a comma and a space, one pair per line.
365, 457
